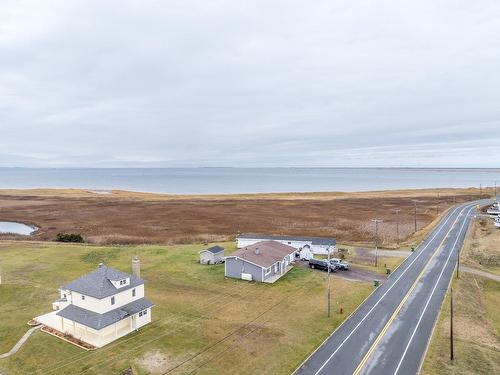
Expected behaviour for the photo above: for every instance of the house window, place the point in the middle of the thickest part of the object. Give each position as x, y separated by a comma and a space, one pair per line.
133, 292
145, 312
83, 297
140, 313
123, 282
113, 300
268, 271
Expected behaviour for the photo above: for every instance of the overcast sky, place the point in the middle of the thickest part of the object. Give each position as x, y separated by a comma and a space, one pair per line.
250, 83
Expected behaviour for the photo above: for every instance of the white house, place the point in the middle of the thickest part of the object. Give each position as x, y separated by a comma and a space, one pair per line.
100, 307
317, 245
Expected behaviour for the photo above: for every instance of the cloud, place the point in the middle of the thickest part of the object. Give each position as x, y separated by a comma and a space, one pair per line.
249, 83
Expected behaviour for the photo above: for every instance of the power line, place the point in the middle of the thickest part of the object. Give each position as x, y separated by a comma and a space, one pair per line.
376, 221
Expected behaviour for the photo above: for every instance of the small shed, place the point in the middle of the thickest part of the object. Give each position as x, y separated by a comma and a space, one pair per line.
306, 253
212, 255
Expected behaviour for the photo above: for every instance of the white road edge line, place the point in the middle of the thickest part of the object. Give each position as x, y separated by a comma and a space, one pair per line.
432, 293
388, 290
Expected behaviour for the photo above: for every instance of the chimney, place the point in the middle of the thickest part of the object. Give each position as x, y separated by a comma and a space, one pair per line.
136, 266
257, 251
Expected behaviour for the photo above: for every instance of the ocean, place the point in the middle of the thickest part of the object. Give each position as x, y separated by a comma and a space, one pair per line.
244, 180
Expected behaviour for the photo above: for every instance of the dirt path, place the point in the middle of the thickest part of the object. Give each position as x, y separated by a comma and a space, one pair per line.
392, 253
480, 273
359, 274
19, 343
355, 274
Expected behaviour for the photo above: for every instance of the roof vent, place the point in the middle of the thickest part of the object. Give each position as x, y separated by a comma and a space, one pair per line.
257, 251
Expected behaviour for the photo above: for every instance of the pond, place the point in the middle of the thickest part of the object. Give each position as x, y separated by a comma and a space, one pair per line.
16, 228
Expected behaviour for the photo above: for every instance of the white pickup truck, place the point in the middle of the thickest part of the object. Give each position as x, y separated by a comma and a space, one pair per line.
340, 264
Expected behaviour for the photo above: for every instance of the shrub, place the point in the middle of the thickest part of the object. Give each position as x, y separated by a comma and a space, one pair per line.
69, 237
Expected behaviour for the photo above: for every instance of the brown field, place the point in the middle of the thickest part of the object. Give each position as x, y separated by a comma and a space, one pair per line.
135, 218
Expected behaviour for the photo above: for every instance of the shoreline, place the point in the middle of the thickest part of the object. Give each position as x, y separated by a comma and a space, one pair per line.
120, 193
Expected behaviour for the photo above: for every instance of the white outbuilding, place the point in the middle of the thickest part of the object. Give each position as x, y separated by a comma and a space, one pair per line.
306, 253
212, 255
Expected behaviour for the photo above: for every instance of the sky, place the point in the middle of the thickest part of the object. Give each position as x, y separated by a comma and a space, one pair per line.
249, 83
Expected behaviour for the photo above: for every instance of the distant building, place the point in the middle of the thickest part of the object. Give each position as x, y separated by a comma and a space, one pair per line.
306, 253
264, 261
317, 245
100, 307
212, 255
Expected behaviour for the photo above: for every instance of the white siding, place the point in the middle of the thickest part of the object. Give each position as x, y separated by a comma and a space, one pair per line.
104, 305
315, 249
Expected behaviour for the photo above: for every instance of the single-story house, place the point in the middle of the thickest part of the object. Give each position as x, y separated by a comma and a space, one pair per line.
317, 245
264, 261
100, 307
212, 255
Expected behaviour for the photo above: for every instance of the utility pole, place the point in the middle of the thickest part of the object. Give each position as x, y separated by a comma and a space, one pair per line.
458, 261
480, 191
376, 221
328, 278
398, 210
437, 205
415, 214
495, 191
451, 324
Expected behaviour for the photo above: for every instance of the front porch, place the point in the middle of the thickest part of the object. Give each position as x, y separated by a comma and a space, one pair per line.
275, 277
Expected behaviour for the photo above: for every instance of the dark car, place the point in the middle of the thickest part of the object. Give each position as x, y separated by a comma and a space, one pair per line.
321, 265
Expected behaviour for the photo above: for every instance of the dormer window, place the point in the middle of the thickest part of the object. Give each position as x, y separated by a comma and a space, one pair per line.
83, 297
123, 282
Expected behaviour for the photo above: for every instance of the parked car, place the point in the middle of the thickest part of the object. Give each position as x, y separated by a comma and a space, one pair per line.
340, 264
322, 265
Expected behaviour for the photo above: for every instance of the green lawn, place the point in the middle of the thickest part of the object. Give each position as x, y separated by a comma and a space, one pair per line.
202, 322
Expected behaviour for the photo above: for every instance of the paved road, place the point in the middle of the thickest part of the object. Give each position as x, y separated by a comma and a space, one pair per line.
389, 332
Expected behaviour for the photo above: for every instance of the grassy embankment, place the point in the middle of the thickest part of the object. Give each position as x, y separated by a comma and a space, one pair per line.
476, 318
201, 321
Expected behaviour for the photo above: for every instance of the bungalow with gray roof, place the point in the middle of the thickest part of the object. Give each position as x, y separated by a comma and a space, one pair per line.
100, 307
264, 261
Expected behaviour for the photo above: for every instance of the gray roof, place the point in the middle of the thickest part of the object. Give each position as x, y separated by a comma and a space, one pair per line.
98, 321
98, 284
264, 253
314, 240
214, 249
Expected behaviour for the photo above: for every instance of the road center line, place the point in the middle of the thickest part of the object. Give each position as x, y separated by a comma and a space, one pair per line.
432, 294
403, 301
387, 291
